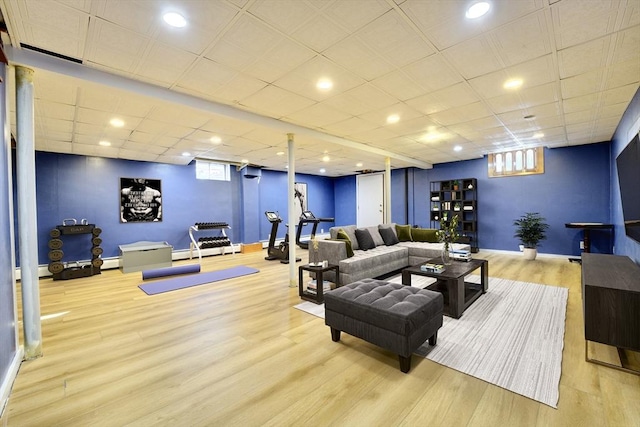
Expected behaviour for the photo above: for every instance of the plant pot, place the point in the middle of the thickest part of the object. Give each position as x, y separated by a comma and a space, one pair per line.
530, 253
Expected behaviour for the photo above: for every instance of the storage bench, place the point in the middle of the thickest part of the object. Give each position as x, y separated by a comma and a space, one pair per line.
393, 316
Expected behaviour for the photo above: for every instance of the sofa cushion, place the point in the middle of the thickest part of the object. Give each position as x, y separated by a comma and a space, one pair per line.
365, 241
389, 236
375, 235
404, 233
347, 245
374, 260
424, 235
350, 230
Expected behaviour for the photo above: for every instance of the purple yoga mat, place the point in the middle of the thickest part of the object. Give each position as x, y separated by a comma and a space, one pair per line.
182, 282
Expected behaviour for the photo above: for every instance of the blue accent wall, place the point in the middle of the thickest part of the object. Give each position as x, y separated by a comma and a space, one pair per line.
578, 185
574, 188
627, 128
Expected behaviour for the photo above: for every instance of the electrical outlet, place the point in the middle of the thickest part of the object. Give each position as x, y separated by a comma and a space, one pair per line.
581, 244
322, 231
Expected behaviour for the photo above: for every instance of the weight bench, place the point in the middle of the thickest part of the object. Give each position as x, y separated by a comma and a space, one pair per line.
395, 317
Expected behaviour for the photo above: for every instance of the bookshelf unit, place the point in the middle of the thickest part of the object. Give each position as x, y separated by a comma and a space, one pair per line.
456, 197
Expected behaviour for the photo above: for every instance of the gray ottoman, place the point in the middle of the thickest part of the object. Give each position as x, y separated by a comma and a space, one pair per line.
396, 317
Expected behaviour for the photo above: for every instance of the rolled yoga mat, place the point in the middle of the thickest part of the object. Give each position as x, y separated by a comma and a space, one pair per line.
181, 282
170, 271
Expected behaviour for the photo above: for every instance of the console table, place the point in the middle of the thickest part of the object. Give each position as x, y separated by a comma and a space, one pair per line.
611, 304
586, 228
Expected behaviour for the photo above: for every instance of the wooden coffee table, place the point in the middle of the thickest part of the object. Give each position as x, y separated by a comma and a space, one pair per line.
458, 294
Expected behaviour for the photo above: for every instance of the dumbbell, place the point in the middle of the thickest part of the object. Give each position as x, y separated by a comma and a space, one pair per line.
55, 244
56, 255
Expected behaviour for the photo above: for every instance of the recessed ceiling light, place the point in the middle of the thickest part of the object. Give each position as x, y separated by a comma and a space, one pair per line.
323, 170
215, 139
105, 143
538, 135
280, 153
324, 84
186, 153
512, 84
457, 148
326, 158
116, 123
478, 9
174, 19
244, 161
359, 164
394, 118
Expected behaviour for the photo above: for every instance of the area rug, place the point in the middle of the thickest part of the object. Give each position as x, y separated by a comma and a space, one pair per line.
181, 282
512, 336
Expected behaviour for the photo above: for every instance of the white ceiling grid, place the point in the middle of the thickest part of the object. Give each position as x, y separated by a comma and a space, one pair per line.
422, 60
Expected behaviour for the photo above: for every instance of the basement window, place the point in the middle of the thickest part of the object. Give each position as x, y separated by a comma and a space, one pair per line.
207, 169
522, 161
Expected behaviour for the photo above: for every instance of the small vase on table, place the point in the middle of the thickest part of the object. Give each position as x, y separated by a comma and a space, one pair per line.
446, 257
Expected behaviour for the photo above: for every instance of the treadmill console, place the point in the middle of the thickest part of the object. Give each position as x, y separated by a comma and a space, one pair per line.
272, 216
307, 215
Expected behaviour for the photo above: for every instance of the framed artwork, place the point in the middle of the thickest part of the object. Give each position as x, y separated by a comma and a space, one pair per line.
300, 196
140, 200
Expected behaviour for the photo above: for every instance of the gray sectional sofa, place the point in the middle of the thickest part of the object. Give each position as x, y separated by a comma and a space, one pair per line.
377, 261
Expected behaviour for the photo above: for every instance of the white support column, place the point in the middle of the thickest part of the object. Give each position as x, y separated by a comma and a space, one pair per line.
291, 175
27, 220
387, 190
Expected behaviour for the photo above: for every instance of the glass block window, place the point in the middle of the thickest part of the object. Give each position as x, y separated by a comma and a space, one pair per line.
521, 161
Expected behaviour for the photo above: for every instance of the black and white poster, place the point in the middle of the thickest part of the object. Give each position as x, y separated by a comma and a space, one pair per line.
140, 200
300, 196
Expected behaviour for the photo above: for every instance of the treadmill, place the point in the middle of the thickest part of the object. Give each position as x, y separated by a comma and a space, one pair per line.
308, 217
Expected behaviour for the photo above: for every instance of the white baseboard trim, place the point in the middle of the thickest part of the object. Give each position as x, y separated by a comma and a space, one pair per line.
540, 254
7, 382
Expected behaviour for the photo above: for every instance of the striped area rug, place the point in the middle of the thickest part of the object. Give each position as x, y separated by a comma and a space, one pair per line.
512, 336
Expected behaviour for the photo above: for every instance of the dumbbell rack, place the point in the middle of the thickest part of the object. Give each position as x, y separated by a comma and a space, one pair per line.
74, 270
220, 241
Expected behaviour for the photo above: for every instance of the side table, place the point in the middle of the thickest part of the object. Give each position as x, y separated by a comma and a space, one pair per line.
318, 296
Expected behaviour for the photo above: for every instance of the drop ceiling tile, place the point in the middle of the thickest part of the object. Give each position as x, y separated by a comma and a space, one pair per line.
398, 84
407, 127
136, 155
359, 58
623, 73
206, 77
583, 84
55, 110
319, 33
442, 22
621, 94
317, 115
432, 73
351, 15
281, 58
577, 21
391, 37
379, 117
287, 19
373, 135
251, 36
473, 58
584, 57
462, 114
55, 146
453, 96
303, 79
523, 39
276, 102
350, 126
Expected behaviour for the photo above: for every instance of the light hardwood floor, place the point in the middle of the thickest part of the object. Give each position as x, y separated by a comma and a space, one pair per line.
236, 352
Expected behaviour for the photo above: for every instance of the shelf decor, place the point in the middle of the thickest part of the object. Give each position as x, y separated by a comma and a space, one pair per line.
446, 201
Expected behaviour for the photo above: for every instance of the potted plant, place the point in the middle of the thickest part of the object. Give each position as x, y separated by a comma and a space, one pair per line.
447, 234
456, 185
530, 229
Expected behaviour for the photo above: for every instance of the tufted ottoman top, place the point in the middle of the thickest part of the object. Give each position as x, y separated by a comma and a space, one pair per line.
391, 306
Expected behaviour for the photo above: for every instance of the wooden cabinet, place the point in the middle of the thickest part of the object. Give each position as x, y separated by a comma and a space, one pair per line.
456, 197
611, 302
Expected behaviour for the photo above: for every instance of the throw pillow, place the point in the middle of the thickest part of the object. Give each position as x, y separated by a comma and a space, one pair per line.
375, 235
389, 236
365, 241
404, 233
424, 235
347, 244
